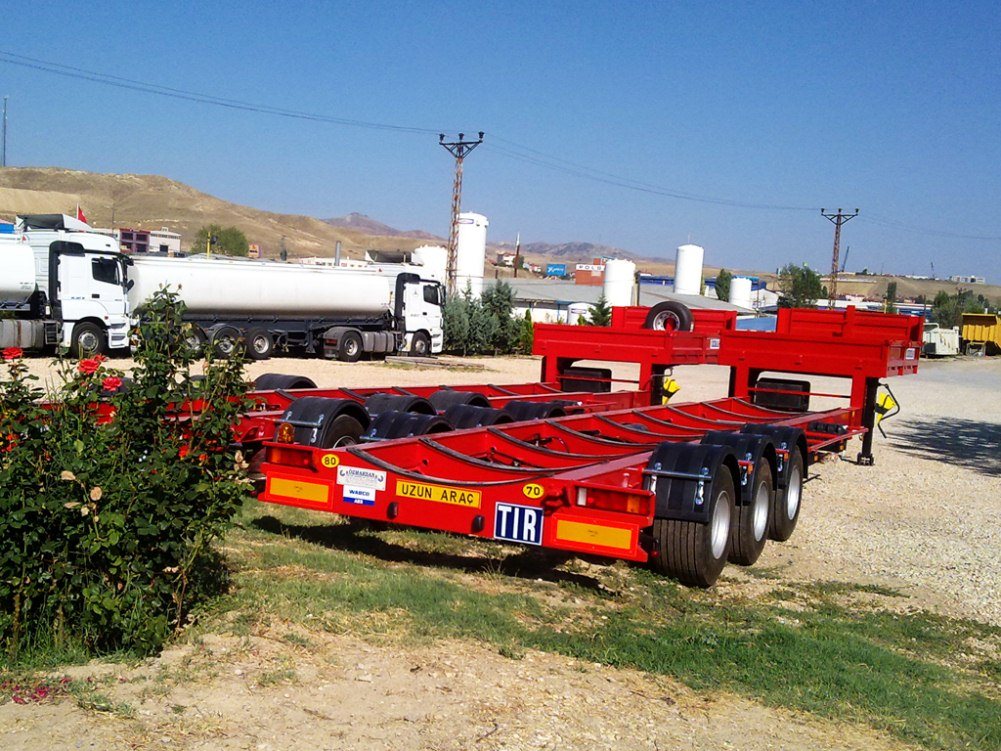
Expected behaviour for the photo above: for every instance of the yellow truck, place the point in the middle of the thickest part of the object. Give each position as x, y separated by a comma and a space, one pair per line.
981, 333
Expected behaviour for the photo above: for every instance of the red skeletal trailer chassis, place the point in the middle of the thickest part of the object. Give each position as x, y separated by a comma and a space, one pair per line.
684, 488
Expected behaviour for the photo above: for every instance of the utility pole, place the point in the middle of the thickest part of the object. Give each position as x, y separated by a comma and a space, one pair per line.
458, 149
517, 255
837, 219
3, 149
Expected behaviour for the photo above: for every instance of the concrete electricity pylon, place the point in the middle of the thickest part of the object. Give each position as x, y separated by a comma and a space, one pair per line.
837, 219
458, 149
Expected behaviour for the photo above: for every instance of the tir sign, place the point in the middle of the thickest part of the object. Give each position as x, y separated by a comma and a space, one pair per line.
518, 524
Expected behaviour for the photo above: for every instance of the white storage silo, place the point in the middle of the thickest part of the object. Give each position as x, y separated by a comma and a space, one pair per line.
433, 260
740, 291
471, 252
619, 278
688, 270
578, 311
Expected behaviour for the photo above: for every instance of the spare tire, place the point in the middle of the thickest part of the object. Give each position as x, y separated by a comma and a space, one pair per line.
275, 381
445, 398
669, 316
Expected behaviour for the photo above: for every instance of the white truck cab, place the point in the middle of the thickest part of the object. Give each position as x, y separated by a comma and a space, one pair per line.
82, 275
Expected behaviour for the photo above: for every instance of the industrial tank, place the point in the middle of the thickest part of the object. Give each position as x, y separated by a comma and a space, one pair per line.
740, 291
263, 288
688, 270
17, 270
471, 252
433, 260
619, 278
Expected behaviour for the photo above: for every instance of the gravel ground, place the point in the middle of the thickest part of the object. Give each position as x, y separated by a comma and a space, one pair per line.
925, 519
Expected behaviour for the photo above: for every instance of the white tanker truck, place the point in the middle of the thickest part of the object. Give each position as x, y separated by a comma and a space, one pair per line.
85, 295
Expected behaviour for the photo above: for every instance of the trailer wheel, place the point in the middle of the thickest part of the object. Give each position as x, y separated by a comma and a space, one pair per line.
420, 345
351, 347
226, 341
749, 530
695, 553
785, 509
88, 340
669, 316
275, 381
343, 431
194, 339
445, 398
260, 345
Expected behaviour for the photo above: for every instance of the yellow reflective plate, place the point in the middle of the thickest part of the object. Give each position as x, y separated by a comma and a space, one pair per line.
594, 534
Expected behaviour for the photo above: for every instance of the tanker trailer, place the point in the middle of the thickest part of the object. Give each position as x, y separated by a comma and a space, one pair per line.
289, 307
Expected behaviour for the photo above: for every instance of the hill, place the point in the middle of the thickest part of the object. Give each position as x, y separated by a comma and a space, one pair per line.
369, 226
152, 202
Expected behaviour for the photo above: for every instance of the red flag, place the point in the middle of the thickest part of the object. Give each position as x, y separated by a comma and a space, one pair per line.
80, 215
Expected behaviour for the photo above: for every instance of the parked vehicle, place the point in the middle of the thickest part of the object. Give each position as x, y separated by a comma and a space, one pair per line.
85, 295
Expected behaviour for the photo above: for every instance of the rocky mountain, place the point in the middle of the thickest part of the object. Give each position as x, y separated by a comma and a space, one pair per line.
369, 226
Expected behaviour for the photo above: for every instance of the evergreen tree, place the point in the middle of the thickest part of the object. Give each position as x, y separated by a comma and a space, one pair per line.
601, 313
723, 279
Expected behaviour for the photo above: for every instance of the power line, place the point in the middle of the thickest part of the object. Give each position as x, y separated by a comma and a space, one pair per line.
837, 219
69, 71
459, 150
891, 224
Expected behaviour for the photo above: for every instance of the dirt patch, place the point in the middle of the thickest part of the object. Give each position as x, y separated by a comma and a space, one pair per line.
316, 691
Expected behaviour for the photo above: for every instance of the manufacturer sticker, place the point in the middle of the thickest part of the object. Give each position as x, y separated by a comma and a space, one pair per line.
438, 494
714, 342
359, 496
361, 477
330, 460
910, 353
518, 523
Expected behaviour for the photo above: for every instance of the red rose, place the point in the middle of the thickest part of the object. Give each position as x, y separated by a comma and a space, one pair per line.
111, 383
184, 451
89, 367
12, 353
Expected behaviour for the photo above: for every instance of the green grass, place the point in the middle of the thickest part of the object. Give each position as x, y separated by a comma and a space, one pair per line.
821, 648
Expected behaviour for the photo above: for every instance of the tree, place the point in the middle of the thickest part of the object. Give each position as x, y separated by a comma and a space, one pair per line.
230, 241
723, 279
891, 297
498, 302
601, 312
947, 310
799, 286
526, 334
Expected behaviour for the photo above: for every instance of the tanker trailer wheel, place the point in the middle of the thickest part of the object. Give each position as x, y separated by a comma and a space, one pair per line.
695, 553
420, 345
351, 348
749, 531
785, 510
669, 316
260, 345
227, 341
195, 339
88, 340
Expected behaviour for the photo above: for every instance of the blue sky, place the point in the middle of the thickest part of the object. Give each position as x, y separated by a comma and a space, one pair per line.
894, 108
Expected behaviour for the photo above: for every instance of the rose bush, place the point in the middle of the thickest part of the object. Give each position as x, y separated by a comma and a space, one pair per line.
110, 497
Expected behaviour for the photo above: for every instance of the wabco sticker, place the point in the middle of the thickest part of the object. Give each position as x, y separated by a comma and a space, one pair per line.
909, 353
359, 496
330, 460
518, 523
361, 477
714, 343
438, 493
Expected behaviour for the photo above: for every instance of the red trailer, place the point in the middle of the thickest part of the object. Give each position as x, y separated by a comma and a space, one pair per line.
684, 488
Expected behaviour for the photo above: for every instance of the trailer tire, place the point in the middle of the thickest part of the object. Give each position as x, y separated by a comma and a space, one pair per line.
227, 341
343, 431
379, 403
260, 345
350, 348
785, 509
420, 345
669, 316
749, 530
276, 381
692, 552
445, 398
462, 416
522, 411
89, 340
195, 339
